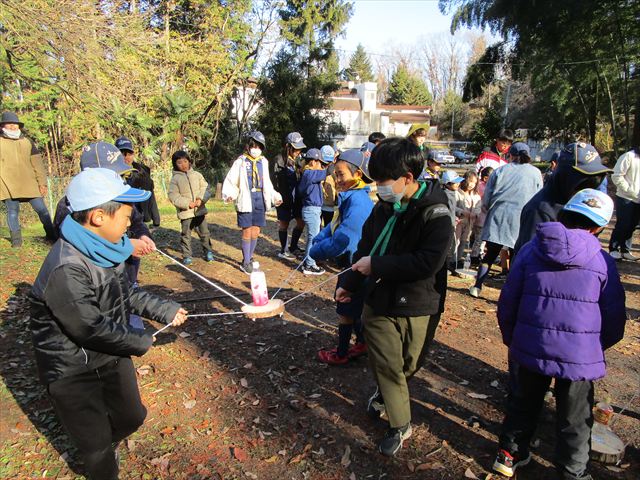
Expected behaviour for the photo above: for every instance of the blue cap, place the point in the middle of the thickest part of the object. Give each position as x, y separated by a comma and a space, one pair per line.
597, 206
583, 157
103, 155
313, 154
123, 143
258, 137
359, 159
95, 186
328, 154
450, 176
367, 147
520, 148
295, 140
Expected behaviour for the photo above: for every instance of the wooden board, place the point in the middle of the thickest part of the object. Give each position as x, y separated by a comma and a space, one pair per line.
606, 446
271, 309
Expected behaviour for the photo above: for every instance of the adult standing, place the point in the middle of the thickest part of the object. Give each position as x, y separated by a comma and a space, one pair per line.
509, 188
579, 167
626, 178
22, 177
140, 177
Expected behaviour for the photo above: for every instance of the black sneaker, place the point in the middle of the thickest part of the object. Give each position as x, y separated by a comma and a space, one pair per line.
246, 268
375, 406
506, 463
313, 270
393, 439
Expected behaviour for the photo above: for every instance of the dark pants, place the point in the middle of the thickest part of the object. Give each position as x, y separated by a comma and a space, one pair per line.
99, 408
574, 401
627, 218
327, 217
199, 224
493, 251
13, 214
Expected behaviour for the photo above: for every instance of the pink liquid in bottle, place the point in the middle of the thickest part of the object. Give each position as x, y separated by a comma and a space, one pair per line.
259, 291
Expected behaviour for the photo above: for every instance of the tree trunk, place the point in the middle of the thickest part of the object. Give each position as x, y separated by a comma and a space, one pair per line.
612, 116
635, 142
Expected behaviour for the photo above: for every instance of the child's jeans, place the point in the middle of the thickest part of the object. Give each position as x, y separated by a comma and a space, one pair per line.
311, 217
98, 408
199, 224
574, 419
478, 245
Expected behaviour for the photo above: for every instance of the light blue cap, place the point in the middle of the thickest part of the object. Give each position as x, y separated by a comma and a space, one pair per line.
95, 186
597, 206
328, 154
450, 176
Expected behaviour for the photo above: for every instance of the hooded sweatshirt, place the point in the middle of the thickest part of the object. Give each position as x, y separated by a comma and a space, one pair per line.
562, 305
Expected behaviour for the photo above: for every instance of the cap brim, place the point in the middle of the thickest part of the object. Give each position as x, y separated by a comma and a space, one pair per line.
587, 212
592, 169
299, 145
133, 195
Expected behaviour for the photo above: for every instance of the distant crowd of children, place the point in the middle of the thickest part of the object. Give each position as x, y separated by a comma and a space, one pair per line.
562, 304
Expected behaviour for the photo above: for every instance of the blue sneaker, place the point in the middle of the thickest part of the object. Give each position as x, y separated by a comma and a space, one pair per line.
209, 257
187, 260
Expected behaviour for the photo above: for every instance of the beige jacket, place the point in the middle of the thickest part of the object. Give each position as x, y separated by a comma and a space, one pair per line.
184, 188
21, 169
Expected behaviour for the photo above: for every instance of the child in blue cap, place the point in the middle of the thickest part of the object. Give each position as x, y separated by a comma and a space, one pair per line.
249, 185
80, 306
309, 192
339, 241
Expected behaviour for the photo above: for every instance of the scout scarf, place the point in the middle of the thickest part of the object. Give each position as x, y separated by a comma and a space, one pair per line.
358, 185
100, 251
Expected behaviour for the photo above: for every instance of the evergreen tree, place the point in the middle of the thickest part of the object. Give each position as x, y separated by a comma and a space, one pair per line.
359, 69
407, 88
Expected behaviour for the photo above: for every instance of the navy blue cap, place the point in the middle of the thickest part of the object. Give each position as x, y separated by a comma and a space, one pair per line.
359, 159
103, 155
520, 148
123, 143
584, 158
258, 137
313, 154
295, 140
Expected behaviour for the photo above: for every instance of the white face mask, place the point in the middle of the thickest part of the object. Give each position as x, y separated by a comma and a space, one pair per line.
255, 152
12, 134
386, 193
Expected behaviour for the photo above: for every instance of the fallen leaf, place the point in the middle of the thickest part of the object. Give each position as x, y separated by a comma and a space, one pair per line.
247, 365
189, 404
244, 383
464, 382
346, 461
495, 384
352, 476
481, 396
131, 445
469, 474
429, 466
184, 335
272, 459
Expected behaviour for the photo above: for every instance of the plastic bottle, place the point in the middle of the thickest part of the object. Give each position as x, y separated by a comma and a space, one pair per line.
259, 291
467, 262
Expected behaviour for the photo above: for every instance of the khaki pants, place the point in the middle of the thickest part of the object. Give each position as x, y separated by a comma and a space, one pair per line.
396, 346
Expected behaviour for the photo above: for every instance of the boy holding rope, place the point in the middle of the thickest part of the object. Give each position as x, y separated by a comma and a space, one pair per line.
404, 244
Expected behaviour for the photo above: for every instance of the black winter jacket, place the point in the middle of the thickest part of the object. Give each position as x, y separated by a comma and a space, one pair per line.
80, 314
402, 280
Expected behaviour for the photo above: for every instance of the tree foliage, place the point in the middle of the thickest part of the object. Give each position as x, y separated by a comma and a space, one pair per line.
359, 68
580, 59
407, 88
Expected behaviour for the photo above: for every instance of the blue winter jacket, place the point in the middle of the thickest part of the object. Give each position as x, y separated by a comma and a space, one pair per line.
562, 305
354, 207
309, 189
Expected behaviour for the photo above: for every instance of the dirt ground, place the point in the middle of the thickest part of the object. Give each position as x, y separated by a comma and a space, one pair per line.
229, 398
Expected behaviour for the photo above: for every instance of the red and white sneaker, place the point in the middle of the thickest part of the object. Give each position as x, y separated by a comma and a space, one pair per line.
357, 350
331, 357
506, 463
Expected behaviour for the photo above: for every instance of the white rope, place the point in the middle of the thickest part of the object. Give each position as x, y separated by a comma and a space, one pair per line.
163, 328
214, 314
204, 279
318, 285
286, 280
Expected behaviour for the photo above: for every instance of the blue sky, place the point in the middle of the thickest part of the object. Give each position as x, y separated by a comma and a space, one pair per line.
379, 24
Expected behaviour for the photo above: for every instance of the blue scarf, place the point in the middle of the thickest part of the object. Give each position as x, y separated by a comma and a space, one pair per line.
99, 250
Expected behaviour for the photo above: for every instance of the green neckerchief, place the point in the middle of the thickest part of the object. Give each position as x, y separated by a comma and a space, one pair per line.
398, 209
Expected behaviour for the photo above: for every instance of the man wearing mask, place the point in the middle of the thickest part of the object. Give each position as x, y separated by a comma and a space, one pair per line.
22, 177
494, 156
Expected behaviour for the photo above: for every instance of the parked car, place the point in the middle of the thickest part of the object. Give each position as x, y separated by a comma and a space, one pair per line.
462, 157
443, 156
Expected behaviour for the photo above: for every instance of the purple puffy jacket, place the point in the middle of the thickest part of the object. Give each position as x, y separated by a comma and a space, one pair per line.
562, 305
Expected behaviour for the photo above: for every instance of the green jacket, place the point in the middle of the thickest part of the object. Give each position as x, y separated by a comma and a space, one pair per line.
184, 188
21, 169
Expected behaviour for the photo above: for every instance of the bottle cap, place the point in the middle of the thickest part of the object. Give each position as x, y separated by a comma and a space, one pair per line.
256, 265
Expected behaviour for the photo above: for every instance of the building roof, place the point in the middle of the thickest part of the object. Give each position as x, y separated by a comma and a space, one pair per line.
382, 106
346, 103
409, 117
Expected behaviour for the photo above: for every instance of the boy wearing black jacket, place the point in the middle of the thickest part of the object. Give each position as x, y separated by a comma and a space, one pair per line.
80, 306
404, 244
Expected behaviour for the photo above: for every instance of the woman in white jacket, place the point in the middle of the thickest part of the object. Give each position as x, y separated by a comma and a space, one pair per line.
249, 186
626, 177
